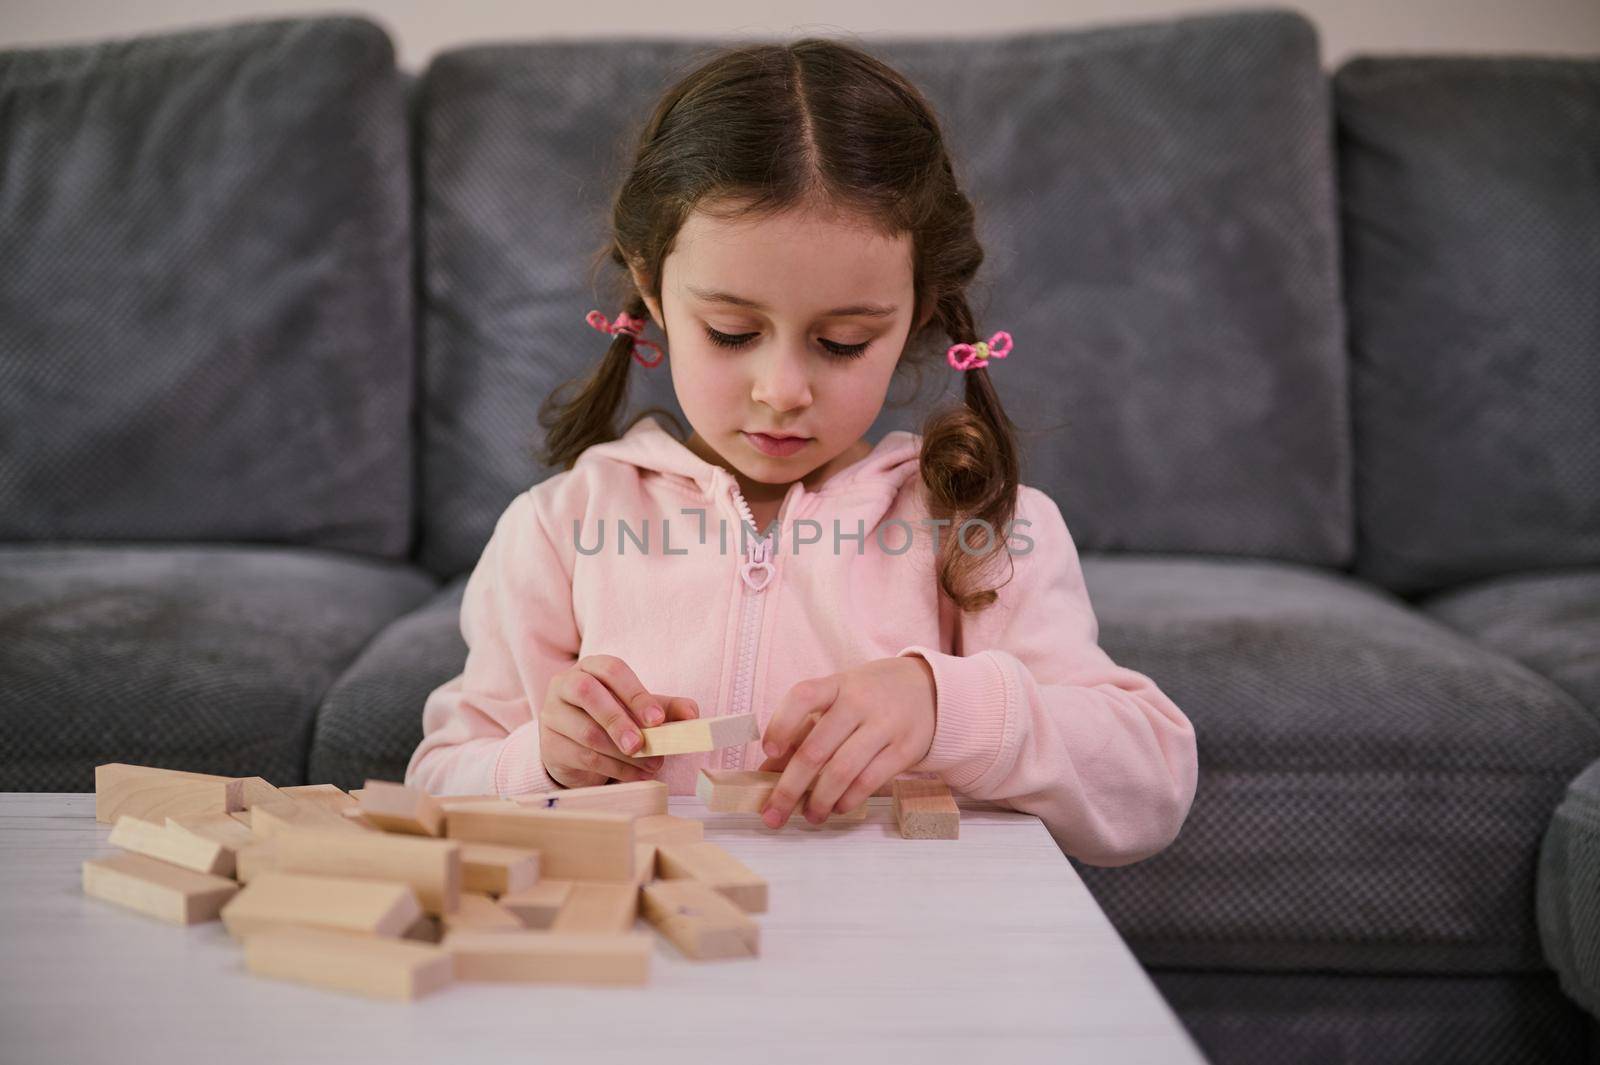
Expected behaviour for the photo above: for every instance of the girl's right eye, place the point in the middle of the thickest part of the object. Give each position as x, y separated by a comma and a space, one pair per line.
726, 341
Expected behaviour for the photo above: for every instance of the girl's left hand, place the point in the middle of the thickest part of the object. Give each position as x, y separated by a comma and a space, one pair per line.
843, 736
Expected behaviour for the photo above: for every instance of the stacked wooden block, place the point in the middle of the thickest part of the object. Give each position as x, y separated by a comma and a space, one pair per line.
389, 891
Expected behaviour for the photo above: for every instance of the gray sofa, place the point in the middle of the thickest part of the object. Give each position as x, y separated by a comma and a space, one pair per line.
1310, 360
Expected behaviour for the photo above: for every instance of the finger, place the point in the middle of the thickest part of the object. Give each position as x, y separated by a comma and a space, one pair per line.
882, 769
853, 755
778, 764
592, 693
569, 752
807, 696
806, 762
576, 724
624, 684
680, 708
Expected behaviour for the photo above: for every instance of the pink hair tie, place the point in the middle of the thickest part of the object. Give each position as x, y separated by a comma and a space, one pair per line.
970, 356
633, 327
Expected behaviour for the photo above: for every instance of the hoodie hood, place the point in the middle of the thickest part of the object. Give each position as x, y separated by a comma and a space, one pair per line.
649, 446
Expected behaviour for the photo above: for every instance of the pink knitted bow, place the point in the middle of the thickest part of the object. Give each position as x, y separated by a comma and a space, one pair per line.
633, 327
967, 356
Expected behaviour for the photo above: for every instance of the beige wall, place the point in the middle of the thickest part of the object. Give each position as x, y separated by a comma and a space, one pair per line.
420, 29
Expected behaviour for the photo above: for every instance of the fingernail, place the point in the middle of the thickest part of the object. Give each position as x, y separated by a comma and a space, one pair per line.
770, 816
654, 763
654, 714
630, 741
771, 748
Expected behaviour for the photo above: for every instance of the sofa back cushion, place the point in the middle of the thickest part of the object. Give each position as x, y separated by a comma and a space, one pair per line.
1156, 202
205, 289
1470, 191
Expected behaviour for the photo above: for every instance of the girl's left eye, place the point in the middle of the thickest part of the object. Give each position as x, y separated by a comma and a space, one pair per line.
844, 351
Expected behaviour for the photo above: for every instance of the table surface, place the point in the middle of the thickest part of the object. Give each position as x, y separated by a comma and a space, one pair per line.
986, 948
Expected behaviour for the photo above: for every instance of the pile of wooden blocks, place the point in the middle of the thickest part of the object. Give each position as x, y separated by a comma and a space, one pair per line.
391, 892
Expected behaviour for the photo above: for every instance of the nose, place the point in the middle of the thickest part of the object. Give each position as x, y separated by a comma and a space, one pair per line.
782, 379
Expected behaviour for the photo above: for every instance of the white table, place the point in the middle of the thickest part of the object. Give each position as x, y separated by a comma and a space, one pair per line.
874, 948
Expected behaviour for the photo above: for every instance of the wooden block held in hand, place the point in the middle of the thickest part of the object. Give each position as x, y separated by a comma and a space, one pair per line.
668, 828
699, 919
157, 888
599, 906
431, 866
491, 869
925, 809
634, 797
482, 913
746, 791
716, 868
537, 906
552, 957
177, 847
397, 808
383, 968
698, 734
273, 898
572, 844
154, 794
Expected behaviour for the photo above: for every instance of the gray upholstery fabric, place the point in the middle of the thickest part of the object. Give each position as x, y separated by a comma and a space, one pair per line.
207, 658
1157, 205
1568, 907
1327, 1019
1373, 785
1549, 621
371, 720
205, 291
1471, 214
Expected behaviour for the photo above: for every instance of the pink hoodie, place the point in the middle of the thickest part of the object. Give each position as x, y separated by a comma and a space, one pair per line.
1030, 712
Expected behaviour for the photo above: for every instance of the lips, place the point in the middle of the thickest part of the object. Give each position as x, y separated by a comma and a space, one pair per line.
776, 446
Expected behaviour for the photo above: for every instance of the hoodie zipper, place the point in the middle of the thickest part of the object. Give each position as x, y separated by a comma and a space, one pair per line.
756, 571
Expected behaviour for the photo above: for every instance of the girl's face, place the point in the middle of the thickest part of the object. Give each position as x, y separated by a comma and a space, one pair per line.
788, 325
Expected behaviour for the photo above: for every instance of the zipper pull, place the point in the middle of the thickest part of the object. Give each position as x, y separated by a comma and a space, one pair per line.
758, 562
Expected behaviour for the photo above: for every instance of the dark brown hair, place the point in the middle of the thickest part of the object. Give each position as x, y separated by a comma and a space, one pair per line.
763, 128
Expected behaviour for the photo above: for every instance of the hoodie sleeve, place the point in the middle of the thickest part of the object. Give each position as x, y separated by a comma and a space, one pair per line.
1033, 715
480, 728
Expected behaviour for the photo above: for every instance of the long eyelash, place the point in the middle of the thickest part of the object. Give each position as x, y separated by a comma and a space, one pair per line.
843, 351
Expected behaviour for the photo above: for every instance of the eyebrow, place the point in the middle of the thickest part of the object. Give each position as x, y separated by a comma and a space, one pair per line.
866, 310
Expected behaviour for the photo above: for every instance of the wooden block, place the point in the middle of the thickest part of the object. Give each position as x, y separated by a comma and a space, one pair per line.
154, 794
157, 888
273, 898
219, 828
572, 844
716, 868
249, 862
552, 957
538, 905
634, 797
425, 929
491, 869
667, 828
432, 867
241, 816
177, 847
925, 809
746, 791
359, 819
269, 818
243, 793
382, 968
334, 798
598, 906
698, 734
397, 808
482, 913
448, 804
699, 920
644, 863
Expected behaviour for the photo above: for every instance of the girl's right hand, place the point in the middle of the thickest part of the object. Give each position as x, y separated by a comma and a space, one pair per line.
591, 718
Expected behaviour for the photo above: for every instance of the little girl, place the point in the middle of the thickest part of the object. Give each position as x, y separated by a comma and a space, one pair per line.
792, 225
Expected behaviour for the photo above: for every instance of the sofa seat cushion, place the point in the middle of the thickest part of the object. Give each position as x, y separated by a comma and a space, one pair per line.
207, 658
371, 719
1549, 621
1373, 784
